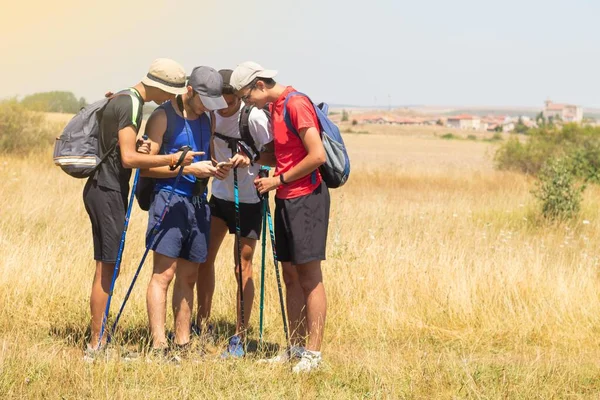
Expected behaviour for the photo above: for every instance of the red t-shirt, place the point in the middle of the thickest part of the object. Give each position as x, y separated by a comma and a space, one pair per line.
289, 149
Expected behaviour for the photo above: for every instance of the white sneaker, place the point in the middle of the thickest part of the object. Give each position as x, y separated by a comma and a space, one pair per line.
294, 353
310, 361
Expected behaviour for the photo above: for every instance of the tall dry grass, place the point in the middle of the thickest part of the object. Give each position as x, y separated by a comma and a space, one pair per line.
442, 282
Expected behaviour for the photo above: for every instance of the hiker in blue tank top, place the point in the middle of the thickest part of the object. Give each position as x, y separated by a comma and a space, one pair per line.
105, 192
181, 243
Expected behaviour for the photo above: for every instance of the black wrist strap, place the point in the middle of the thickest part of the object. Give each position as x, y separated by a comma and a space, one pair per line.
281, 180
184, 150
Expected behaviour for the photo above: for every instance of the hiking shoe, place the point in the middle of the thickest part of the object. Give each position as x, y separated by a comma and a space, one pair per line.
91, 354
293, 353
163, 355
235, 349
130, 356
310, 361
206, 336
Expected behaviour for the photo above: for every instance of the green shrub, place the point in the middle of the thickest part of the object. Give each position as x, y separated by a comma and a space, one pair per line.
579, 144
57, 101
471, 137
448, 136
557, 190
22, 131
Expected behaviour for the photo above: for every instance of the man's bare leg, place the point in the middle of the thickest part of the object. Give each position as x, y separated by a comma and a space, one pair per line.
311, 281
98, 299
295, 304
156, 297
183, 299
206, 271
248, 246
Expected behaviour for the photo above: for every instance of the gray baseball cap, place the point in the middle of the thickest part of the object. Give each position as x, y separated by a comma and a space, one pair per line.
208, 83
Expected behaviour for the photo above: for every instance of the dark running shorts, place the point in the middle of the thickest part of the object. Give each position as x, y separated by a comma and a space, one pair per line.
184, 231
301, 227
106, 209
250, 216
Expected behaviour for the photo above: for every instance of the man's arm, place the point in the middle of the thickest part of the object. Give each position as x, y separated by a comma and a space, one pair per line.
311, 139
303, 117
155, 130
130, 158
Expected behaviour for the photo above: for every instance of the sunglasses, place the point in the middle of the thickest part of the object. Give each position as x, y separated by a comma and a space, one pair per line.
245, 97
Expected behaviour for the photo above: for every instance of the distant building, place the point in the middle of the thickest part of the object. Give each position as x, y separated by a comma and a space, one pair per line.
508, 126
465, 122
563, 112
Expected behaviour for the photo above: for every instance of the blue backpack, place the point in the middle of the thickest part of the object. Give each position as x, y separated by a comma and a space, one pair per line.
336, 170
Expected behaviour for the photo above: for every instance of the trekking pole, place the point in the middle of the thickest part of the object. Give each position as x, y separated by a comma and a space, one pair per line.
236, 196
272, 234
263, 173
119, 255
150, 240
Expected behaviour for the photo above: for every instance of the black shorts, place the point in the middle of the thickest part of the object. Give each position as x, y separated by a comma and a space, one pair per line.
250, 216
106, 209
301, 227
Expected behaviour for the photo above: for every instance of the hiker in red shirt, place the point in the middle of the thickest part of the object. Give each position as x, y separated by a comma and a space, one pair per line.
302, 207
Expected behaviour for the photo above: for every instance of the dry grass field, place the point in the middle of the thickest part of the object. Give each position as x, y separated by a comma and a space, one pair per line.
442, 281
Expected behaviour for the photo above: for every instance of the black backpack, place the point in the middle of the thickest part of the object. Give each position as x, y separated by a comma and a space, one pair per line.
245, 128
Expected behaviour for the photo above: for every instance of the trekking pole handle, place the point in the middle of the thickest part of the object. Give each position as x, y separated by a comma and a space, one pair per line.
263, 172
140, 141
184, 150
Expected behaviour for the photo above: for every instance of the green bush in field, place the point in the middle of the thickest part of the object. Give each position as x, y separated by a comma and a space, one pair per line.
557, 190
579, 144
57, 101
22, 131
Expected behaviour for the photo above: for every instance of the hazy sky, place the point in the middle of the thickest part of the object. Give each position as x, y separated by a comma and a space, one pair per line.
436, 52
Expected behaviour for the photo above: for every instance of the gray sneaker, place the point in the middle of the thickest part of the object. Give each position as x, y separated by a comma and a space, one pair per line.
163, 356
293, 353
91, 354
309, 362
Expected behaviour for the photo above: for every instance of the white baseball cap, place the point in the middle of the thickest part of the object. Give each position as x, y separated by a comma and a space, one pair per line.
246, 72
166, 75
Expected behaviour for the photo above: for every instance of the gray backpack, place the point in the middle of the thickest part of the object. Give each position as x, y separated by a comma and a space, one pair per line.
76, 151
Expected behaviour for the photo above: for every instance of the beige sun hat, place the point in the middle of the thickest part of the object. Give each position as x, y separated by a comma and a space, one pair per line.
167, 75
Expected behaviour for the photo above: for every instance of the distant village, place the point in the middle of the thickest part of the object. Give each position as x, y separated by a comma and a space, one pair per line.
554, 112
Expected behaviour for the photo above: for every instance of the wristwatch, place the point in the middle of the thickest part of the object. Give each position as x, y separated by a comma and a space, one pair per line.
281, 180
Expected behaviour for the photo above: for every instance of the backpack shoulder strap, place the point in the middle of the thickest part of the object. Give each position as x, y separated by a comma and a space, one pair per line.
244, 128
101, 114
286, 115
288, 123
211, 145
171, 117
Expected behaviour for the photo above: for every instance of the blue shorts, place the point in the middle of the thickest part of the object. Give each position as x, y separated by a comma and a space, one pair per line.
184, 231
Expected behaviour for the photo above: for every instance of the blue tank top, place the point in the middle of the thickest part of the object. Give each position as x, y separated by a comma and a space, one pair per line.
184, 132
